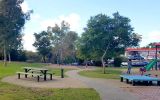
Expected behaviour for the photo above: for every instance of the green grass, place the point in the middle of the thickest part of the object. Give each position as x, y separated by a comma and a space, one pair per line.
15, 92
12, 92
111, 73
13, 67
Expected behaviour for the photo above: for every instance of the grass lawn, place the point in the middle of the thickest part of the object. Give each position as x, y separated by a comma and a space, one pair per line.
13, 67
14, 92
111, 73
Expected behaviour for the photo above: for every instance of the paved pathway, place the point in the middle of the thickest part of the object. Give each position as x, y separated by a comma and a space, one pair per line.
107, 89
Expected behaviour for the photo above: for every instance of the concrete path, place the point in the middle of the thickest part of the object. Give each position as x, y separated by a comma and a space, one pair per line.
57, 82
108, 89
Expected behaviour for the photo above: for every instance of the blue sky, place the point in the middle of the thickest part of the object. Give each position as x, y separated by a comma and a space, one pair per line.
144, 15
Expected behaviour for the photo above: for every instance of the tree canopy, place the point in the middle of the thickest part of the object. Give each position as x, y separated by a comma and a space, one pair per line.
43, 44
106, 36
12, 20
63, 41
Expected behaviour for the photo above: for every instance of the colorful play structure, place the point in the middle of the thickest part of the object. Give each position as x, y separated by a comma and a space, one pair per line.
153, 62
144, 78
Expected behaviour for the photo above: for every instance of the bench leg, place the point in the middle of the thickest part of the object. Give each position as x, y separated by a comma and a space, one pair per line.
121, 79
25, 75
38, 78
133, 83
32, 73
150, 83
127, 81
18, 75
158, 83
50, 76
45, 77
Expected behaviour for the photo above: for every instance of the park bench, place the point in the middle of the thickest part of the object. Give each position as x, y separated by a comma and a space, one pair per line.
29, 74
35, 72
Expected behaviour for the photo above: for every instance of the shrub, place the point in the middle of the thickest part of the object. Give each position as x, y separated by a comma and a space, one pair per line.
117, 61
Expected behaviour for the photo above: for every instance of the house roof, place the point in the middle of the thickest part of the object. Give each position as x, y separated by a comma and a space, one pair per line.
142, 49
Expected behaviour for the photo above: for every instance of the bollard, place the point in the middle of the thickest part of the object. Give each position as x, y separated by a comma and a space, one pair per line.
62, 73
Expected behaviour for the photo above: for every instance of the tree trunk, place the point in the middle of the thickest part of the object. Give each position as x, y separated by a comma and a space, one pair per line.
102, 59
5, 56
9, 57
103, 62
44, 60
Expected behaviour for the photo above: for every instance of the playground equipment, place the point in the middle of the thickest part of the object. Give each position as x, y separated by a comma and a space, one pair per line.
148, 66
152, 63
135, 79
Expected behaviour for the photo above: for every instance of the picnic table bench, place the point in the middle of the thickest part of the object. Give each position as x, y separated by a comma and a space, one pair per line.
35, 72
139, 78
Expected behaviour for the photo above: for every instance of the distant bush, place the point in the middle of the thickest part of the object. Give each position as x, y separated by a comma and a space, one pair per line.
32, 57
124, 59
117, 61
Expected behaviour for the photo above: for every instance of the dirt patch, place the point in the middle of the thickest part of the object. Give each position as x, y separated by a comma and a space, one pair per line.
57, 82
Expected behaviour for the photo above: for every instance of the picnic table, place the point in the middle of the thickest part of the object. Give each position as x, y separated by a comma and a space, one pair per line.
38, 72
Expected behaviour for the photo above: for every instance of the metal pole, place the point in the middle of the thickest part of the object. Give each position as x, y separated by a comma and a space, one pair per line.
156, 58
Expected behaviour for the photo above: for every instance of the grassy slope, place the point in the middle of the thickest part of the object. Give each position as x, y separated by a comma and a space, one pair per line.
14, 92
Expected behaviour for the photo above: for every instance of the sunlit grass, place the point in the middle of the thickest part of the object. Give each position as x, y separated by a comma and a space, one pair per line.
111, 72
14, 92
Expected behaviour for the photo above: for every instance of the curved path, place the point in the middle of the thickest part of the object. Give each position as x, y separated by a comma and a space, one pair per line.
108, 89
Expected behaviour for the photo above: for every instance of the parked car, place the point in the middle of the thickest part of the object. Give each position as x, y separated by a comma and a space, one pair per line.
140, 63
135, 57
124, 64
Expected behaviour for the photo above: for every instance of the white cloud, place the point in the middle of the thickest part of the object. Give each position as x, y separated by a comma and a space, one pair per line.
73, 19
153, 36
28, 40
38, 23
25, 6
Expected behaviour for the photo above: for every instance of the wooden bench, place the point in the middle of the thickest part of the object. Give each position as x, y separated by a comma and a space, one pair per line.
32, 74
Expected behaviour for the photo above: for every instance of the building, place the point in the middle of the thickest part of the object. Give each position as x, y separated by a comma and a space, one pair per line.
147, 53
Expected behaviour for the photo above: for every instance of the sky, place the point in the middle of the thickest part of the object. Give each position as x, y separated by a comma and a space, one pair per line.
144, 15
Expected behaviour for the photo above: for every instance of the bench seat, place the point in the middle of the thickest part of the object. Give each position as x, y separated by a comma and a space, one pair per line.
37, 74
32, 74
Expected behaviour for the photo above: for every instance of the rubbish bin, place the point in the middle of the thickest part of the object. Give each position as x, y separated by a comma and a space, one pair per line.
62, 73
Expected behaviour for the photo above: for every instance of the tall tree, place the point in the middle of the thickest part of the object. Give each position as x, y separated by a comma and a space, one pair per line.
105, 36
12, 20
43, 44
63, 41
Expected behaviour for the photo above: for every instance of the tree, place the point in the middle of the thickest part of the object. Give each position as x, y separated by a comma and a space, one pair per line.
32, 56
63, 41
43, 44
106, 37
12, 20
151, 45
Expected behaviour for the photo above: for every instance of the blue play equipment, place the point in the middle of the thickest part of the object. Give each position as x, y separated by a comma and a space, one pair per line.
140, 78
